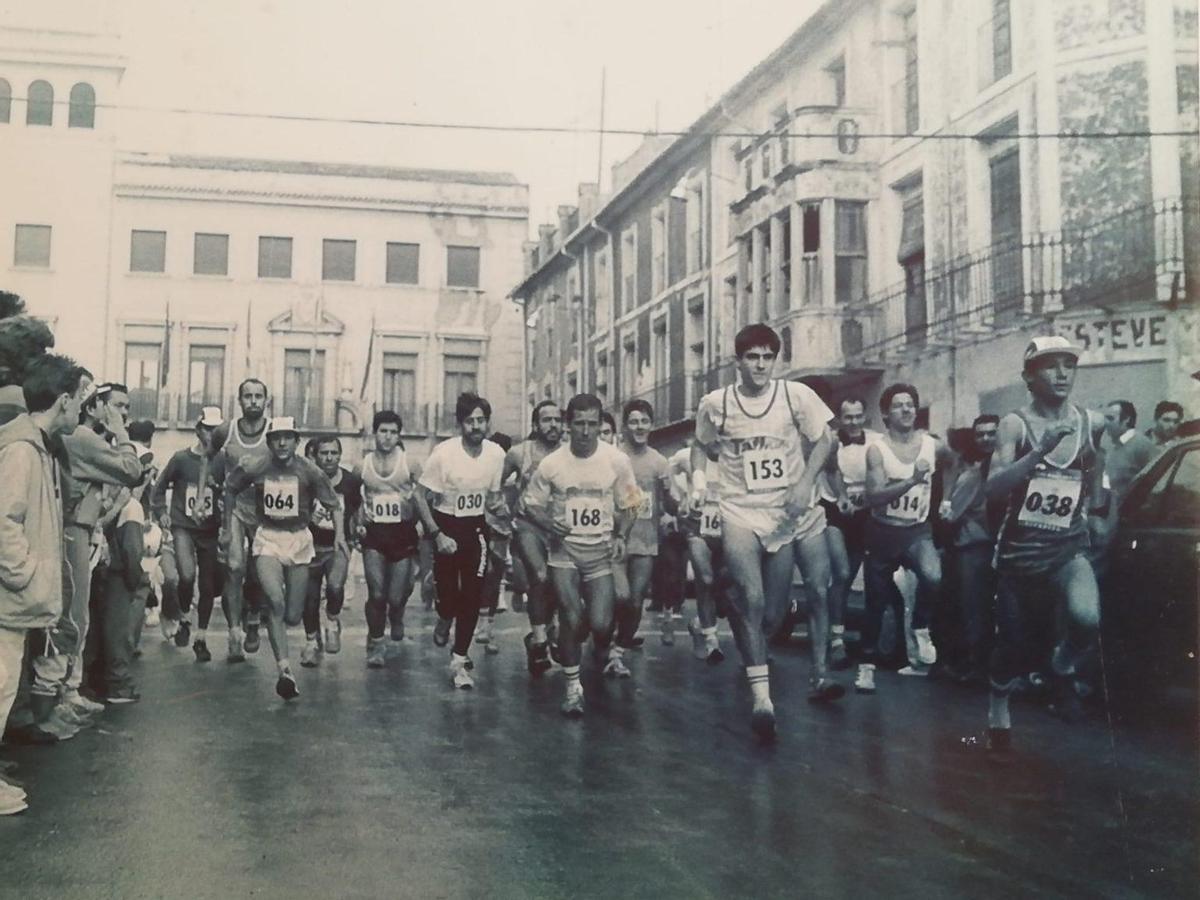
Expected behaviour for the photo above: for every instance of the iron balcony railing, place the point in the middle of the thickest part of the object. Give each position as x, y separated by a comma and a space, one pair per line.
1136, 254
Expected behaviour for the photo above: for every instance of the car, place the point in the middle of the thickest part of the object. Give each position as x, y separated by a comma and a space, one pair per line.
1150, 594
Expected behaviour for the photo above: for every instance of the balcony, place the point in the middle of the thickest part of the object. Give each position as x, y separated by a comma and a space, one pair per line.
669, 398
1135, 255
718, 376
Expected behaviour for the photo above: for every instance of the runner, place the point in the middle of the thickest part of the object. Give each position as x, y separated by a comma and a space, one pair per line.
900, 467
701, 524
757, 429
244, 445
285, 491
461, 480
529, 541
193, 524
1049, 467
844, 498
499, 523
332, 562
631, 575
608, 428
388, 532
585, 497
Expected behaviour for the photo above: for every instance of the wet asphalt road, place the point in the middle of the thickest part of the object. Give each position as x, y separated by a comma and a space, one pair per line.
389, 783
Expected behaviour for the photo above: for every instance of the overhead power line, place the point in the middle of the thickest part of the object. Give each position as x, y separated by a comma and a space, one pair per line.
634, 132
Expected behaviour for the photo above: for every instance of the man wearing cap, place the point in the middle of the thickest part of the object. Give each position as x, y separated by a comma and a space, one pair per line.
284, 492
241, 443
1048, 468
192, 521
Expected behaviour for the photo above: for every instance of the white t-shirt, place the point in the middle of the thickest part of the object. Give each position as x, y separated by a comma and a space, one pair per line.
584, 493
462, 481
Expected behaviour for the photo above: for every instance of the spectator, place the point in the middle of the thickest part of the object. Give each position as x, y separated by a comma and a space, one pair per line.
31, 571
1128, 452
1167, 417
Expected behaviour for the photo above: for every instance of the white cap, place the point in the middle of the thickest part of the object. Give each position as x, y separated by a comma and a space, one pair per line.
282, 424
1050, 345
210, 417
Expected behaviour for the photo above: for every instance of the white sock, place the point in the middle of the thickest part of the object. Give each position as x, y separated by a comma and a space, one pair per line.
331, 620
837, 634
710, 631
695, 623
311, 638
539, 634
998, 710
760, 684
202, 634
572, 673
458, 661
615, 652
285, 667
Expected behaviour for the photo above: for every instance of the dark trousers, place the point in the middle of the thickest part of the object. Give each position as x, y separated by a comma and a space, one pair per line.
670, 572
459, 576
110, 643
976, 583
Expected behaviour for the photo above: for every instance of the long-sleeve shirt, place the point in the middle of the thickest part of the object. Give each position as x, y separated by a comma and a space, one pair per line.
95, 462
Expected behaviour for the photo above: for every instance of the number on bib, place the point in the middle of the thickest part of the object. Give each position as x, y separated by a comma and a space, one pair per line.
1051, 501
764, 470
321, 518
468, 504
191, 493
588, 516
710, 520
646, 507
387, 509
911, 506
281, 497
857, 497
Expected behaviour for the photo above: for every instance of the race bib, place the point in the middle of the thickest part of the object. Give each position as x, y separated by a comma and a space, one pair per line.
764, 470
387, 509
857, 497
467, 503
646, 508
710, 521
588, 516
191, 493
912, 506
281, 497
321, 518
1051, 501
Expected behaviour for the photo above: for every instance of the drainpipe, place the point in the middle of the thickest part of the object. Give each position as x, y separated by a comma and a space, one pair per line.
582, 381
611, 268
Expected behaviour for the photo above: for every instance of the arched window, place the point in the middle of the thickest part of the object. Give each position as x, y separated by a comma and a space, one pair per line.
83, 106
39, 107
5, 100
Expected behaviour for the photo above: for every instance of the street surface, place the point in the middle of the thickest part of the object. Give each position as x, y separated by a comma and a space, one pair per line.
390, 784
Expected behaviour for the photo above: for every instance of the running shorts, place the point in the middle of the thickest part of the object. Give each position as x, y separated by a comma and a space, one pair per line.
292, 548
592, 561
395, 541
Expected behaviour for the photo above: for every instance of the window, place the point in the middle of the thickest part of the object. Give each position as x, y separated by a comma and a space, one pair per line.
748, 172
206, 378
39, 105
5, 101
400, 386
461, 374
658, 251
695, 228
403, 263
337, 260
659, 352
912, 93
911, 256
779, 123
82, 112
810, 253
304, 386
1181, 500
32, 246
211, 254
628, 269
142, 379
997, 43
1007, 270
598, 312
274, 257
629, 369
147, 251
836, 71
850, 247
765, 154
462, 267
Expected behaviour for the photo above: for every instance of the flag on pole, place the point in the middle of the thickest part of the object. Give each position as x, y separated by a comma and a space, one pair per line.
165, 368
249, 310
362, 393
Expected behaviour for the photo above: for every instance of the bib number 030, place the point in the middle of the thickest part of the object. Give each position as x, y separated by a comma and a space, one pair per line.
470, 504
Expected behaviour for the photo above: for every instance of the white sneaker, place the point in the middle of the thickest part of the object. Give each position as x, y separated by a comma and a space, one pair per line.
920, 671
484, 633
865, 682
310, 656
572, 705
81, 702
666, 625
12, 800
699, 642
168, 627
616, 668
460, 677
501, 603
926, 652
152, 618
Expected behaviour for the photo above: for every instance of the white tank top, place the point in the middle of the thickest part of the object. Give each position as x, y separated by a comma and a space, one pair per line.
912, 507
387, 500
762, 455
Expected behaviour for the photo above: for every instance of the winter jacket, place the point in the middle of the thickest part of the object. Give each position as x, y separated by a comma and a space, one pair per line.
31, 557
95, 462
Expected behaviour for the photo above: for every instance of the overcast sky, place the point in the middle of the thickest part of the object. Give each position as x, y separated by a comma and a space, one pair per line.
512, 62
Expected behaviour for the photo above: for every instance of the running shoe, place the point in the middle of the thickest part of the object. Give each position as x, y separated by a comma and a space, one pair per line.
865, 682
501, 604
168, 627
459, 676
200, 648
825, 690
122, 697
441, 632
839, 659
183, 633
235, 653
310, 656
926, 651
920, 670
81, 702
6, 786
152, 618
484, 634
999, 746
715, 655
333, 635
572, 705
762, 722
397, 629
537, 657
68, 715
252, 641
699, 642
12, 801
667, 627
636, 642
376, 652
616, 668
285, 687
